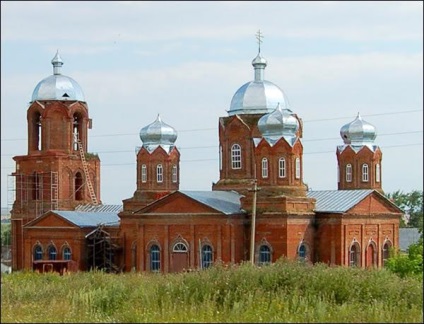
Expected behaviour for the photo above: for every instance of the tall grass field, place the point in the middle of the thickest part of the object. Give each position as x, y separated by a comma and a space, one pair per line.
282, 292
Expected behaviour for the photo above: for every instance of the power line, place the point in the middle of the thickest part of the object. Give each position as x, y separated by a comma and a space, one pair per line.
209, 129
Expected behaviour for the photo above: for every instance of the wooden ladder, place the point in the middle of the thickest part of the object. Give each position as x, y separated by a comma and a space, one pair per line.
87, 175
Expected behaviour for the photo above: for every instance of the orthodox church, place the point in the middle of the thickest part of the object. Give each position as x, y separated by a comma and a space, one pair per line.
259, 210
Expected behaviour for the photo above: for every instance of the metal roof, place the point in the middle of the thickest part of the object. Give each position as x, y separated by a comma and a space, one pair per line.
408, 236
99, 208
89, 219
227, 202
337, 201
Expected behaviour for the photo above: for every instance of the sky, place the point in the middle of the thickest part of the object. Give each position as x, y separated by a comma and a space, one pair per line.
185, 61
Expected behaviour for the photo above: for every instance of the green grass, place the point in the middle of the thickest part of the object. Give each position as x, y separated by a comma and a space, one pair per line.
282, 292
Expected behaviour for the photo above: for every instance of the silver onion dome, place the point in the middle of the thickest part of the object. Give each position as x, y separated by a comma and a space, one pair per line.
57, 86
277, 124
157, 134
258, 96
358, 132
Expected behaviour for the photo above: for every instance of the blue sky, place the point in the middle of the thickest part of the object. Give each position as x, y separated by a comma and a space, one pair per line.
185, 61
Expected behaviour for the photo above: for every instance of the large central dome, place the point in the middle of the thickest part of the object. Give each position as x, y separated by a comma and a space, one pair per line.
258, 96
57, 86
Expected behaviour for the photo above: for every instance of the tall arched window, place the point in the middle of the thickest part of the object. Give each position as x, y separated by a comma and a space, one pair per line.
52, 252
77, 130
282, 168
36, 143
264, 168
355, 255
365, 172
236, 156
220, 157
79, 186
38, 252
66, 253
207, 256
143, 173
302, 252
154, 258
349, 173
338, 174
159, 173
386, 252
264, 254
377, 173
297, 162
174, 174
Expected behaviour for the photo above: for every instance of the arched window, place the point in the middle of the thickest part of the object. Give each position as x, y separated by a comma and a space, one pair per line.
77, 130
174, 174
302, 252
349, 173
78, 185
143, 173
338, 174
355, 255
154, 258
159, 173
52, 252
264, 168
220, 157
207, 256
36, 131
297, 168
282, 168
264, 255
365, 172
38, 252
134, 256
377, 173
386, 252
66, 253
236, 156
180, 247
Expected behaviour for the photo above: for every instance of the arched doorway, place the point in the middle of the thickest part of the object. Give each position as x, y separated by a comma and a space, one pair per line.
179, 257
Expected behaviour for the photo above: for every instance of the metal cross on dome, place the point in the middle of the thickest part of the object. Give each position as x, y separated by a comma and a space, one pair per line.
259, 37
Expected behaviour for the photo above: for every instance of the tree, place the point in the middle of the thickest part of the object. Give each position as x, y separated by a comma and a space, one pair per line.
407, 264
412, 205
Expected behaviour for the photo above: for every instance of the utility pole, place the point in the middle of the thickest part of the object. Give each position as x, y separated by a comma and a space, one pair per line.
253, 225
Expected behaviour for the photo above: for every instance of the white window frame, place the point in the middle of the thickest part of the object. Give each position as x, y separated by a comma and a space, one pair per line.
349, 172
264, 168
282, 168
377, 173
174, 174
143, 173
365, 172
236, 157
297, 165
159, 173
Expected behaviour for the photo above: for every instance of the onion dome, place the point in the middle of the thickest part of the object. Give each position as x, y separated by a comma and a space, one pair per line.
57, 86
358, 132
157, 134
258, 96
280, 123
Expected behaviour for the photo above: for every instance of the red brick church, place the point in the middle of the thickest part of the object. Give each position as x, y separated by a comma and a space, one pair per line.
259, 209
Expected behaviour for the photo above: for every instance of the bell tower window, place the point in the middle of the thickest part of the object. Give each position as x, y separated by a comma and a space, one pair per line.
76, 130
159, 173
282, 168
365, 172
143, 173
377, 173
236, 156
297, 168
349, 173
264, 168
78, 185
174, 174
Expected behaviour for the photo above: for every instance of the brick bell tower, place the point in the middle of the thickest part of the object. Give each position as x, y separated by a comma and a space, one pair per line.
57, 173
158, 165
359, 159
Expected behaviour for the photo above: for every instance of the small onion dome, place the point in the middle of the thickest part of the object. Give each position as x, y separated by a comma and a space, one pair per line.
57, 86
280, 123
258, 96
157, 134
358, 132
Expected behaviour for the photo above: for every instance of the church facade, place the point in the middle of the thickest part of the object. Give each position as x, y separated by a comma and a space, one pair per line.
259, 210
